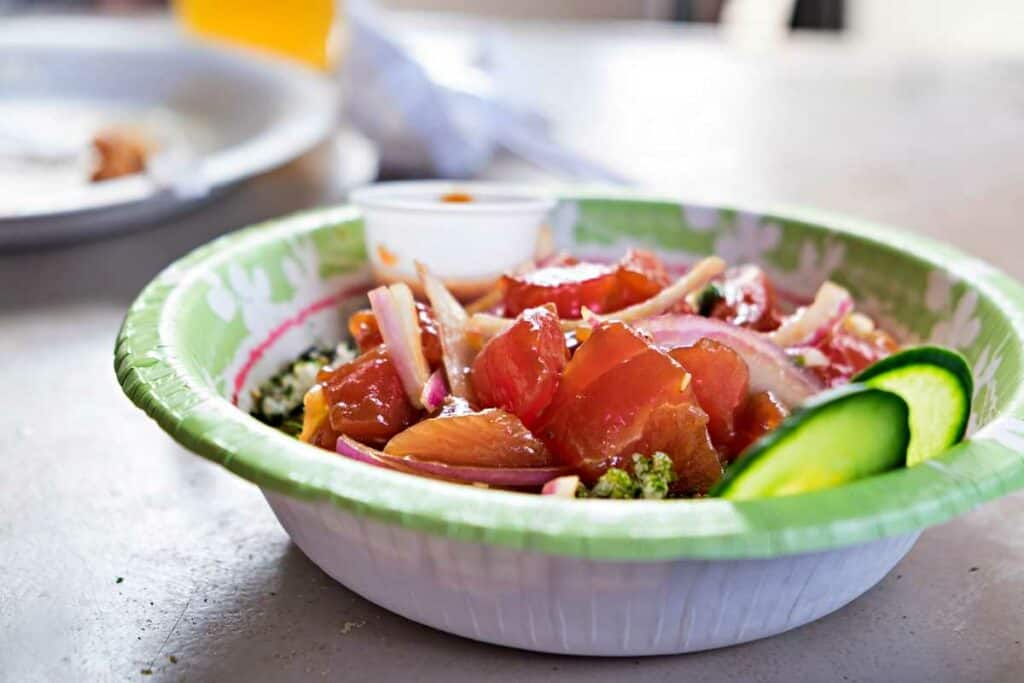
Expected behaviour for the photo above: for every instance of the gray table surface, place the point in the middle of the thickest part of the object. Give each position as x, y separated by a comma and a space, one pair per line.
123, 557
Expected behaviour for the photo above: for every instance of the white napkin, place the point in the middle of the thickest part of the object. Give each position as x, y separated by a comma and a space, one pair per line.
445, 124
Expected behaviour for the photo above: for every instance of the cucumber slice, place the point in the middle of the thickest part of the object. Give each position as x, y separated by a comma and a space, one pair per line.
839, 436
937, 385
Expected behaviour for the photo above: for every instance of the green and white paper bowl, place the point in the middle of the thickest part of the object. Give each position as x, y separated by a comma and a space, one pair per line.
584, 577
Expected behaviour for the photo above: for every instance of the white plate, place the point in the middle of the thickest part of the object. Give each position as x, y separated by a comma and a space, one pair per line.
220, 116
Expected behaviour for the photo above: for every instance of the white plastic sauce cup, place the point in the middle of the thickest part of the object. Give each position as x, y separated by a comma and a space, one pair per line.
467, 234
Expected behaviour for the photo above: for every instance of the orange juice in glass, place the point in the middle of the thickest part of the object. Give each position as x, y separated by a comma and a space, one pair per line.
301, 29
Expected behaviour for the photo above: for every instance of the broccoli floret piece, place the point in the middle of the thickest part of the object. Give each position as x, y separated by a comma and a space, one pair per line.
615, 483
651, 478
654, 475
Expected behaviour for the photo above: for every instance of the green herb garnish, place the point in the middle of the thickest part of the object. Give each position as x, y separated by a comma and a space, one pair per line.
709, 298
651, 479
278, 401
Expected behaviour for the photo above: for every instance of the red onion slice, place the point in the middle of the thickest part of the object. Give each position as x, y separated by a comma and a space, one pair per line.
456, 353
563, 487
395, 310
811, 324
434, 392
493, 476
770, 367
357, 451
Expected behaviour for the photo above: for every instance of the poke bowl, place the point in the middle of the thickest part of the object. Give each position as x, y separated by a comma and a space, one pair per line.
554, 573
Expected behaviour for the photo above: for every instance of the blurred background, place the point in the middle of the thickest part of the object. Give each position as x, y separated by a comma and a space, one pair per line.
726, 100
857, 105
190, 118
125, 115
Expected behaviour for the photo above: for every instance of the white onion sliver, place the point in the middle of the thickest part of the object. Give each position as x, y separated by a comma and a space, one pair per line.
811, 324
456, 353
694, 279
770, 368
485, 302
489, 325
808, 356
395, 311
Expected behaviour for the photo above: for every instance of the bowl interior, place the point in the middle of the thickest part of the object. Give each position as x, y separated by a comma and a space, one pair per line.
225, 317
